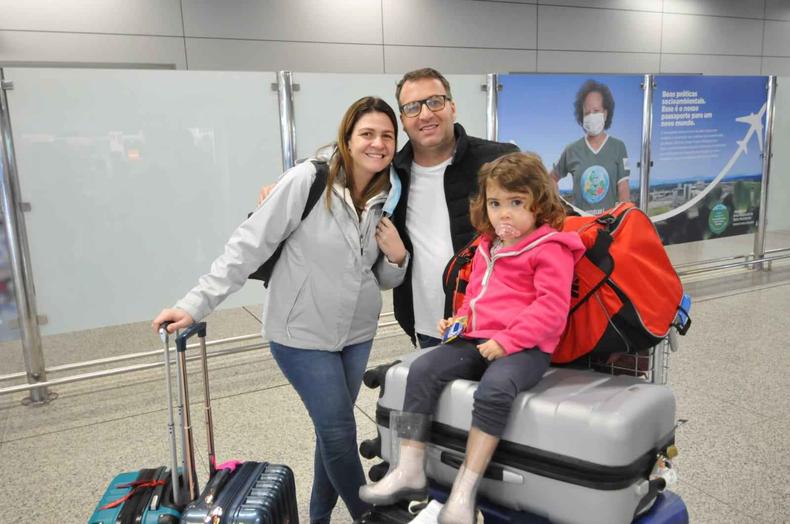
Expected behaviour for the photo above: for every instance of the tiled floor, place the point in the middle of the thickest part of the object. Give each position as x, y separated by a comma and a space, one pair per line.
730, 378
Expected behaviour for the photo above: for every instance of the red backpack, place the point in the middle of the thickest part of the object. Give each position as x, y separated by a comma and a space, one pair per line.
456, 277
625, 294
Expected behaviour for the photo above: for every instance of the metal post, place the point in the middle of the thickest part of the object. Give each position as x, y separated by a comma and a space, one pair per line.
188, 449
660, 365
14, 221
647, 130
170, 419
492, 102
759, 237
209, 421
285, 96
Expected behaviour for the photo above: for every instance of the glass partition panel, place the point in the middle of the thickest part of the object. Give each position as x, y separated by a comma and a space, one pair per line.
470, 102
136, 179
715, 251
778, 218
322, 99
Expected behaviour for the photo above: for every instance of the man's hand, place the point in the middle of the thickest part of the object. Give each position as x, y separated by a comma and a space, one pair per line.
179, 317
265, 191
389, 241
491, 350
443, 324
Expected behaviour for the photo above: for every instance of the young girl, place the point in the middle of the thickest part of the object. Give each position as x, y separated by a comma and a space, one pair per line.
515, 309
323, 302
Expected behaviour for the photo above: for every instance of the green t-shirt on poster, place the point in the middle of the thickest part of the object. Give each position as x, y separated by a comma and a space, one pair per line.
595, 174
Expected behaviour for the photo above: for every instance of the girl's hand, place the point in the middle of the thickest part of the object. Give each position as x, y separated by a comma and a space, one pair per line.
443, 324
179, 317
491, 350
389, 241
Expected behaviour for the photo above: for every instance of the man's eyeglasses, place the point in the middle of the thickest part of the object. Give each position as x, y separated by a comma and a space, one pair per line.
434, 103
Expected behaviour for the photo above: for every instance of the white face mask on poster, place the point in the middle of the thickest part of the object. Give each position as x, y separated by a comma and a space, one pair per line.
593, 123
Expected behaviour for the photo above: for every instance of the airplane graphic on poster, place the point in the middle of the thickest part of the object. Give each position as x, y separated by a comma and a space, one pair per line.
755, 127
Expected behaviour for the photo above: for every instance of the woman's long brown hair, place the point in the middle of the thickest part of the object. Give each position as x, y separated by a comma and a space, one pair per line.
342, 156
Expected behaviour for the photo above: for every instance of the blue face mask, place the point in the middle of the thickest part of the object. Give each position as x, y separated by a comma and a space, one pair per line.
394, 194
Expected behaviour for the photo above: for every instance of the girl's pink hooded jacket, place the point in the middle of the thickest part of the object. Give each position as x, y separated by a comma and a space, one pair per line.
520, 297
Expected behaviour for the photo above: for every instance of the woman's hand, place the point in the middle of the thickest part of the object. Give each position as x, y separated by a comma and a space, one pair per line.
264, 192
491, 350
389, 241
443, 324
179, 318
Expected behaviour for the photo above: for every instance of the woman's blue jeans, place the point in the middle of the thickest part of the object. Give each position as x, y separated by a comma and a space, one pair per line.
328, 383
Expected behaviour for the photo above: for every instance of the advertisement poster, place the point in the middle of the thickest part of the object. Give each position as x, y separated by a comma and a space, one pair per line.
544, 114
706, 147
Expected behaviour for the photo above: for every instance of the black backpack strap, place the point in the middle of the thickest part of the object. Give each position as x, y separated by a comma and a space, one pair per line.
134, 507
264, 273
317, 187
601, 258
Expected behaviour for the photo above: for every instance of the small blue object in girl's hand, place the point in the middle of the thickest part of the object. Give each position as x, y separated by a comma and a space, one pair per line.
455, 330
684, 309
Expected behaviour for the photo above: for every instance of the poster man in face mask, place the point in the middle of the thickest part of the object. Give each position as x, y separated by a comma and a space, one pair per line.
597, 162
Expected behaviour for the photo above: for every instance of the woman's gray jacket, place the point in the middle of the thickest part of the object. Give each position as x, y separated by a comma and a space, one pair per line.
324, 292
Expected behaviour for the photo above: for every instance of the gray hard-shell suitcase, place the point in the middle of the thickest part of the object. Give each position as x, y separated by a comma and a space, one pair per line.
579, 447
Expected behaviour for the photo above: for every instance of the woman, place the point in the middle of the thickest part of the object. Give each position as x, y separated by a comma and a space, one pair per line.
597, 162
322, 309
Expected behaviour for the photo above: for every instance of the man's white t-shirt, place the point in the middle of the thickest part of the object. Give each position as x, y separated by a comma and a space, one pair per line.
428, 226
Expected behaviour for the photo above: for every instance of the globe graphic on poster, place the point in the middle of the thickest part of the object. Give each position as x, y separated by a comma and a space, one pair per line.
594, 184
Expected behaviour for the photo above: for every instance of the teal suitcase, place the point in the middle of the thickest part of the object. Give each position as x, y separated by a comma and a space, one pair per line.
147, 496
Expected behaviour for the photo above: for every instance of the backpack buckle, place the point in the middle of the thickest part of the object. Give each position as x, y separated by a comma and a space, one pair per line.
606, 220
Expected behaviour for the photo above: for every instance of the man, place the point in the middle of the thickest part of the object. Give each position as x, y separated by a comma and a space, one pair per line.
438, 168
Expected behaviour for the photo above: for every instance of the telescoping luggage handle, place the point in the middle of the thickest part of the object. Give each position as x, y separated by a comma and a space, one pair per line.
163, 335
190, 474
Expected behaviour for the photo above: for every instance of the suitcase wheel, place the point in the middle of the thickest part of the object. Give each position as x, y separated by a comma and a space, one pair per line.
374, 377
370, 448
377, 471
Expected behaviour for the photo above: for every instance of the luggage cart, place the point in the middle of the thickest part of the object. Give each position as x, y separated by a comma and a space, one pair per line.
651, 364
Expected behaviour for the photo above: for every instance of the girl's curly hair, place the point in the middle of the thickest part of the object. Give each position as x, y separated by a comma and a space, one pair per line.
519, 173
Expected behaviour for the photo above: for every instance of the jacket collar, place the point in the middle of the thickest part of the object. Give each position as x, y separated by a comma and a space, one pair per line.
405, 156
341, 191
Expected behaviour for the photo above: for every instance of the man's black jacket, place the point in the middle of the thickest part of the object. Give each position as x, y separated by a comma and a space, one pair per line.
460, 185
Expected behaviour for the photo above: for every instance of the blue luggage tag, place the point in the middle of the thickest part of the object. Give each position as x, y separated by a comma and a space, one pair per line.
682, 320
455, 330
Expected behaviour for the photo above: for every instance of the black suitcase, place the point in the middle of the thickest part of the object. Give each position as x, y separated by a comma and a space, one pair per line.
242, 492
256, 492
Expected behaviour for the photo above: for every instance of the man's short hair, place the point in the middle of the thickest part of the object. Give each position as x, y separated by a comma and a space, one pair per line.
419, 74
